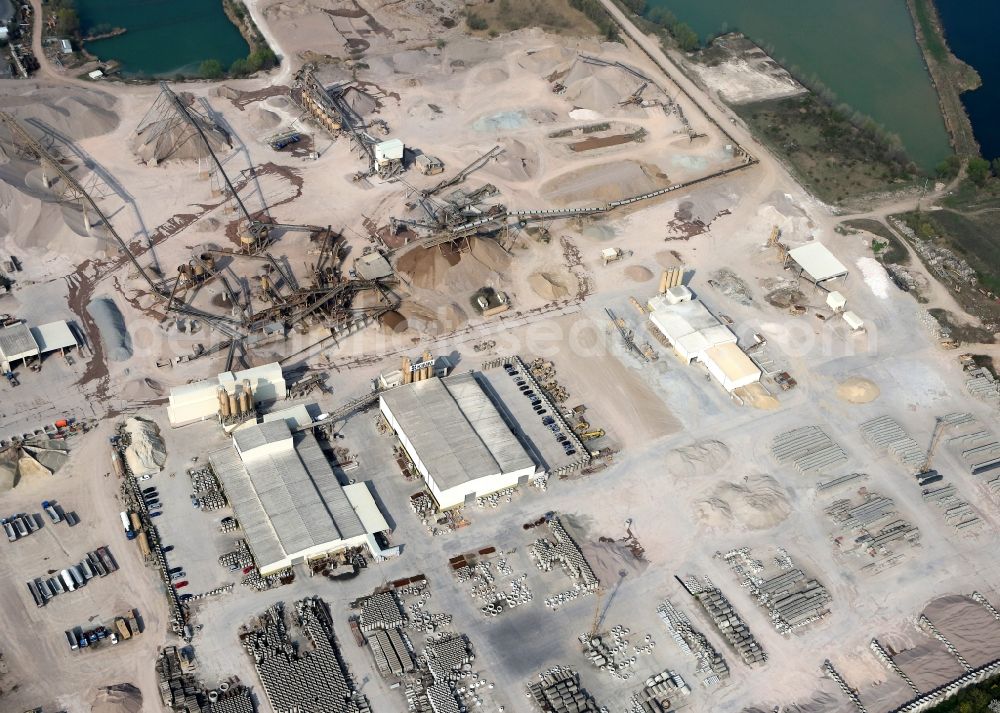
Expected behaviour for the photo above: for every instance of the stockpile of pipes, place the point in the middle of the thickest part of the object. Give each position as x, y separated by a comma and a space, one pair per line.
982, 385
206, 487
563, 551
392, 656
809, 449
886, 435
558, 691
957, 512
875, 521
693, 642
731, 626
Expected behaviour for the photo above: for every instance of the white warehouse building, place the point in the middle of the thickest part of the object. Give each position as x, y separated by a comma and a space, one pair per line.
190, 403
288, 501
456, 438
697, 335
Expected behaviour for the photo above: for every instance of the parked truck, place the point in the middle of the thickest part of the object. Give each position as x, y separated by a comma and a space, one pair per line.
9, 529
67, 580
127, 524
52, 512
123, 627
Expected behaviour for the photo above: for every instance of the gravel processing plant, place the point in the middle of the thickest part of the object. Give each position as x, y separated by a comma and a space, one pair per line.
439, 371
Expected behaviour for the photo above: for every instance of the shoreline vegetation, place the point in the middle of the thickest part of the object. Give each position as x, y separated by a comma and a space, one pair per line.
949, 75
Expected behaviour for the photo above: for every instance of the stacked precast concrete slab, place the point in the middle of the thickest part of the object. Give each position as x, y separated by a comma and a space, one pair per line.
809, 449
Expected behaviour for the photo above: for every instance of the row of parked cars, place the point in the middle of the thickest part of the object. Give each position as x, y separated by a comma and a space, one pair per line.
151, 497
538, 406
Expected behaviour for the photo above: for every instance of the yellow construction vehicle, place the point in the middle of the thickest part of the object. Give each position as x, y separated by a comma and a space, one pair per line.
582, 426
635, 303
591, 435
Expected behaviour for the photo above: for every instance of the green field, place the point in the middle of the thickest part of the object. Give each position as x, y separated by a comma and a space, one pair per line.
974, 699
839, 158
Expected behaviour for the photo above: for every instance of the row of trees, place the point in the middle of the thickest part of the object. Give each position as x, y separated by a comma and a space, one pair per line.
978, 169
681, 33
261, 58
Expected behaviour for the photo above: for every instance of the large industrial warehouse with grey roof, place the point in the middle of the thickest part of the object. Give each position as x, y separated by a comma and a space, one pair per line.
288, 500
456, 437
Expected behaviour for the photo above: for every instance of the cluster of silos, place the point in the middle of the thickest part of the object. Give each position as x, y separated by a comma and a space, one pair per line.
196, 270
671, 277
237, 406
425, 370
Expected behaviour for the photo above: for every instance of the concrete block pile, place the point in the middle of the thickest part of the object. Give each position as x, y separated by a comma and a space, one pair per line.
381, 611
312, 682
887, 436
558, 690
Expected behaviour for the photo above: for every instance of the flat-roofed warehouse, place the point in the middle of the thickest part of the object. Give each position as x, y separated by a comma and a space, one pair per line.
288, 500
19, 342
456, 438
817, 263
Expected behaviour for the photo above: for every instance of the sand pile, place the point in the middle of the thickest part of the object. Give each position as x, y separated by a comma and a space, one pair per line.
638, 273
700, 458
111, 324
758, 397
592, 93
858, 390
79, 113
548, 286
144, 389
174, 139
279, 102
394, 322
146, 453
262, 119
120, 698
545, 61
757, 503
602, 182
32, 458
360, 101
516, 163
432, 321
443, 268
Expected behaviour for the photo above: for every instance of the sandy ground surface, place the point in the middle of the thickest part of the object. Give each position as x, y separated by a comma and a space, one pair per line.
693, 473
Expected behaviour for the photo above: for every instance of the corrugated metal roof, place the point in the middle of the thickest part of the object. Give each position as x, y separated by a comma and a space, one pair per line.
16, 342
285, 494
52, 336
456, 430
366, 508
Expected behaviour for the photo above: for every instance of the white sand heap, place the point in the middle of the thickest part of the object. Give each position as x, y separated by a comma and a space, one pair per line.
858, 390
263, 119
593, 93
757, 503
700, 458
110, 323
120, 698
146, 453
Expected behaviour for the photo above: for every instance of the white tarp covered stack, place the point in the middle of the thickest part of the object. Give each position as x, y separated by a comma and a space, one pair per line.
146, 453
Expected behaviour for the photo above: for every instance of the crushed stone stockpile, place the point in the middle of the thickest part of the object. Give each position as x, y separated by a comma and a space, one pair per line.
551, 285
858, 390
111, 324
443, 268
757, 503
174, 139
638, 273
74, 111
146, 453
700, 458
120, 698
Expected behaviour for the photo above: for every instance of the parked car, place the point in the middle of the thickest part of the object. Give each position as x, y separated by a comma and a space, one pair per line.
156, 513
168, 548
181, 584
194, 500
178, 575
149, 489
145, 477
186, 597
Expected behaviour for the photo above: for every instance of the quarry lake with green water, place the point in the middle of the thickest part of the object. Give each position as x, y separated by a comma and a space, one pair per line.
863, 50
163, 37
